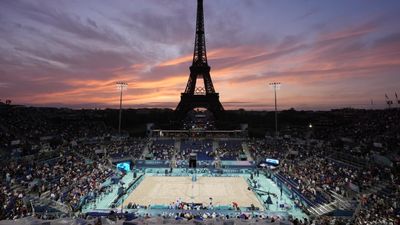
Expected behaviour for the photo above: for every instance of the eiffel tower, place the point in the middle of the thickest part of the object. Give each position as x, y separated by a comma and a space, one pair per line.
199, 97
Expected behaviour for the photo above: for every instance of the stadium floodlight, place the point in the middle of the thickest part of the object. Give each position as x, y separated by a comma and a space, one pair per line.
276, 86
121, 86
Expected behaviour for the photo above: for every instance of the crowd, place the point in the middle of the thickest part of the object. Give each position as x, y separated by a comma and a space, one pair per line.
162, 149
230, 149
308, 169
45, 153
382, 207
199, 120
331, 176
188, 217
365, 131
267, 148
114, 149
13, 204
28, 130
311, 166
203, 149
67, 179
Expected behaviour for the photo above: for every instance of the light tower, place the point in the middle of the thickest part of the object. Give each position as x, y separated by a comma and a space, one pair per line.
276, 86
121, 86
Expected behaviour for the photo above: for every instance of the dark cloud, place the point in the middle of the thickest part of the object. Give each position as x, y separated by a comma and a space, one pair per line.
67, 22
307, 14
391, 40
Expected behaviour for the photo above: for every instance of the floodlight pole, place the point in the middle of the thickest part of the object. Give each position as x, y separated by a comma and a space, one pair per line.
120, 113
121, 86
275, 85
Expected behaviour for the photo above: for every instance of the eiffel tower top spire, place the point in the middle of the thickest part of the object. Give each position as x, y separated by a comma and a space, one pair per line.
200, 54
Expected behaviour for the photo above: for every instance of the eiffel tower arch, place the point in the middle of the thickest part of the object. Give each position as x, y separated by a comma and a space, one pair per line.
199, 94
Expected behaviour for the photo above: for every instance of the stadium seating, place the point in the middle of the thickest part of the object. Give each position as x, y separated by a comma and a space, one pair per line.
203, 149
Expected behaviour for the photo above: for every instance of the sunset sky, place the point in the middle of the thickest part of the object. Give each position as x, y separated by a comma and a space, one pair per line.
326, 54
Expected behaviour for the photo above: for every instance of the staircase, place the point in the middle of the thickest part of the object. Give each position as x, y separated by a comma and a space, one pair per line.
320, 210
246, 151
146, 149
339, 203
215, 145
48, 203
342, 202
177, 147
